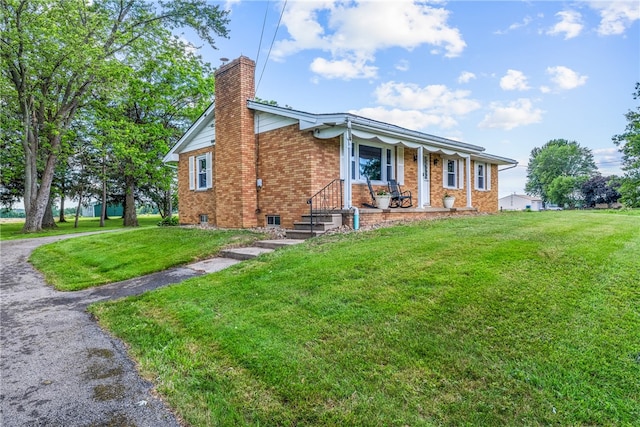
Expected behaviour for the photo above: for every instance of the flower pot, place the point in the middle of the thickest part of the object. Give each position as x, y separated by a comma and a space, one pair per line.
448, 201
383, 201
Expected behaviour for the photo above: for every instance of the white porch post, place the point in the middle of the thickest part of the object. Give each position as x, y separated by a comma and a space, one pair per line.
468, 162
347, 146
420, 177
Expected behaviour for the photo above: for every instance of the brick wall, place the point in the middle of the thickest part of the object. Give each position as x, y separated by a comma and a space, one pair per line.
293, 165
234, 169
486, 201
192, 204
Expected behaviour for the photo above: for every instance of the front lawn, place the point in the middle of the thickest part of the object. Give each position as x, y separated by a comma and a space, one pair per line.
513, 319
13, 229
83, 262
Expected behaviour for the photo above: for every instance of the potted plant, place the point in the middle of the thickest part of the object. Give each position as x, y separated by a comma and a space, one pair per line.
383, 198
448, 200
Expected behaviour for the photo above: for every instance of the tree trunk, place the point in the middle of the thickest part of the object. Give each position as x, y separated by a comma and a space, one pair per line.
130, 218
103, 210
169, 203
75, 224
61, 217
34, 216
47, 220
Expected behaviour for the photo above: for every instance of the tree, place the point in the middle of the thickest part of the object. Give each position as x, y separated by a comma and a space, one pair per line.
557, 170
629, 146
600, 189
55, 56
167, 88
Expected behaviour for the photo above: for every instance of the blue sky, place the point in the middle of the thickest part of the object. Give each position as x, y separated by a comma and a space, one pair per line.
505, 75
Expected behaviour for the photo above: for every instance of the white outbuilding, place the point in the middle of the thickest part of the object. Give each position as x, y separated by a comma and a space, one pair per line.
519, 202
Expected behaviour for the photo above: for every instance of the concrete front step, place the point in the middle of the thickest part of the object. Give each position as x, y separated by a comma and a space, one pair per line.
320, 226
277, 243
302, 234
335, 219
243, 254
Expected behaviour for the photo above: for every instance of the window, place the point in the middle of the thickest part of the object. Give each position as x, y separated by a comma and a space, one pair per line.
204, 219
200, 173
373, 161
273, 221
483, 176
451, 173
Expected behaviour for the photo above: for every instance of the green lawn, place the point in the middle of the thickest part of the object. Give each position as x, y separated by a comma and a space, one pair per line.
87, 261
511, 319
13, 230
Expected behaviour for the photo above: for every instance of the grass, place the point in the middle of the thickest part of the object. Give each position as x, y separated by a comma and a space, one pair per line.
13, 229
511, 319
87, 261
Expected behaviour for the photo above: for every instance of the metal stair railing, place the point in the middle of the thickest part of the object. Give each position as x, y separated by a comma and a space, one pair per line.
327, 200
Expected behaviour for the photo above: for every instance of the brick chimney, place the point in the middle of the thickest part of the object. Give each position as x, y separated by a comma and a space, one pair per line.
234, 165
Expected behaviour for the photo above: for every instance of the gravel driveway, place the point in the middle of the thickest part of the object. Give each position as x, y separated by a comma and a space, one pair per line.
58, 367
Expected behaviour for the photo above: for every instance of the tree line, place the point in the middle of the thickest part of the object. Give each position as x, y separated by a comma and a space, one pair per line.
93, 94
564, 173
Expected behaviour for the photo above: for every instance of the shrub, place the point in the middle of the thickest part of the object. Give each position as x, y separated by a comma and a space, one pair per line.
168, 221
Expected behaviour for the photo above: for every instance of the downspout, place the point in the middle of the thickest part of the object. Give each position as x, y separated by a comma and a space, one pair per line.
421, 178
468, 162
347, 166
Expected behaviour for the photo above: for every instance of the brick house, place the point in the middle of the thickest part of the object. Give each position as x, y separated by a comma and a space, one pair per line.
246, 164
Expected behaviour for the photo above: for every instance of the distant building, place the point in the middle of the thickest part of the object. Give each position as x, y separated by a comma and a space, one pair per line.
519, 202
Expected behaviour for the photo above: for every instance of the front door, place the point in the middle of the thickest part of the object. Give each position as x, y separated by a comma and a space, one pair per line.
426, 183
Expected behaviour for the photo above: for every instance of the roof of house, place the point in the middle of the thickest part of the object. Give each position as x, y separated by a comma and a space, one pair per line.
333, 124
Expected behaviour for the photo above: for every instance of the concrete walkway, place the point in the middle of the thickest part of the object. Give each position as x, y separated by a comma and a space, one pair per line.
58, 368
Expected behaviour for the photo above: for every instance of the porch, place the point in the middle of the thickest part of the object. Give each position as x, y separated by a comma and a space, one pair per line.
370, 217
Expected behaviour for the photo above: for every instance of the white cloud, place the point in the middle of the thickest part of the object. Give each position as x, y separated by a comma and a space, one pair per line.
402, 65
570, 24
514, 114
616, 16
410, 119
418, 108
565, 78
514, 80
525, 22
435, 98
359, 29
343, 69
466, 77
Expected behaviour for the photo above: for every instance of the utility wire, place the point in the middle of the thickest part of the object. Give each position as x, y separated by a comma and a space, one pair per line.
270, 47
264, 22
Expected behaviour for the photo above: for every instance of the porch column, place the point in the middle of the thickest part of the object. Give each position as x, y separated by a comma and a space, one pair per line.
468, 162
420, 177
348, 143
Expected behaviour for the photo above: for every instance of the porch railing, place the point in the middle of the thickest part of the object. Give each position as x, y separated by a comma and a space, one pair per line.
327, 200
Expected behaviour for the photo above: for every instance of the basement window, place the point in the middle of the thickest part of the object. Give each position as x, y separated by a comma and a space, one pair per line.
273, 221
204, 219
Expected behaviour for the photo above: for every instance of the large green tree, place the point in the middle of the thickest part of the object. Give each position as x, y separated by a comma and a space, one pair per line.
167, 88
56, 55
557, 170
629, 146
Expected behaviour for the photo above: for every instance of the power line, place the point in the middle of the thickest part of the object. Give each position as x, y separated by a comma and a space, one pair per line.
270, 47
264, 22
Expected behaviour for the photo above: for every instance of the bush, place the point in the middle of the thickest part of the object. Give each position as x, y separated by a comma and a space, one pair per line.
168, 221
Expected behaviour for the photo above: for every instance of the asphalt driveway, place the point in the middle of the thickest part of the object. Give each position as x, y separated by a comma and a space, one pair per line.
58, 368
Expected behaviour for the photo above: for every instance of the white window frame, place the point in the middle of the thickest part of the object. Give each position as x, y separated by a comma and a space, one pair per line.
196, 169
388, 162
486, 177
445, 173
